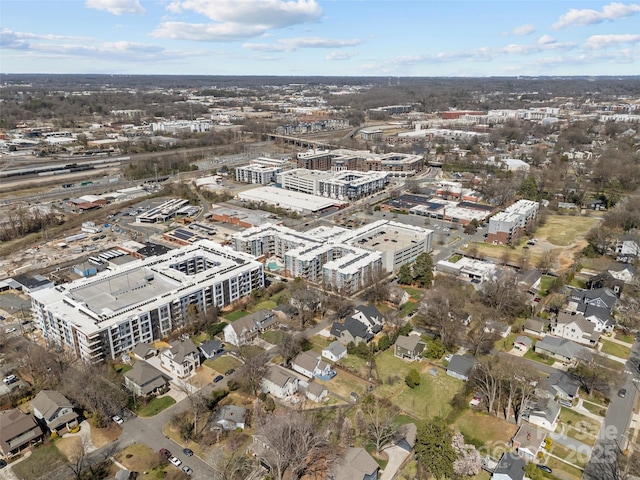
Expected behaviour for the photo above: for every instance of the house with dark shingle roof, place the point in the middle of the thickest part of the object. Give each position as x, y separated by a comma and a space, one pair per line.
410, 347
17, 432
558, 384
279, 382
144, 379
350, 330
510, 467
560, 348
461, 367
182, 358
54, 409
243, 330
211, 349
355, 464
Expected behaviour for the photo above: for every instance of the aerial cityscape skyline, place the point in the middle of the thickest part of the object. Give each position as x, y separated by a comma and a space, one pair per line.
309, 37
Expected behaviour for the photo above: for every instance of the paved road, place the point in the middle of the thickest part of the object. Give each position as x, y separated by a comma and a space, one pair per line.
612, 439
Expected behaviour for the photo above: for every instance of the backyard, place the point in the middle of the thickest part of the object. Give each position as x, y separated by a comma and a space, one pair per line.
42, 461
223, 363
481, 428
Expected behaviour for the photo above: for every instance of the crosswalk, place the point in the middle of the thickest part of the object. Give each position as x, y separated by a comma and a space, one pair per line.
629, 372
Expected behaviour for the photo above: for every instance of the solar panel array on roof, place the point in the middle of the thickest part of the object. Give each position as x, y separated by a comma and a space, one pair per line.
183, 234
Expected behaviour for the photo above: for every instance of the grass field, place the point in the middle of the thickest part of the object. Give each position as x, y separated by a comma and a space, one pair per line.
265, 305
272, 336
356, 363
140, 458
563, 230
344, 383
545, 284
531, 355
233, 316
628, 338
595, 409
415, 293
155, 406
573, 418
506, 344
409, 307
615, 349
122, 368
223, 363
319, 342
43, 460
481, 427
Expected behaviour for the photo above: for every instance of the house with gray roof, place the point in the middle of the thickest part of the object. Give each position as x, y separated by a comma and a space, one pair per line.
17, 432
558, 384
279, 382
334, 351
145, 351
576, 328
211, 349
243, 330
522, 343
535, 326
316, 392
510, 467
351, 330
544, 413
355, 464
311, 365
182, 358
231, 417
560, 348
528, 441
54, 409
144, 379
461, 367
409, 347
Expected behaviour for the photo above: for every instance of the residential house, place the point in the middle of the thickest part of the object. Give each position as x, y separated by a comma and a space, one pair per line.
528, 441
398, 296
54, 410
279, 382
351, 330
231, 417
560, 348
544, 413
182, 359
522, 343
370, 316
355, 464
17, 432
406, 438
311, 365
245, 329
144, 379
334, 351
529, 281
145, 351
510, 467
498, 328
600, 297
535, 326
605, 280
623, 271
211, 349
627, 248
558, 384
575, 328
461, 367
599, 316
316, 392
410, 347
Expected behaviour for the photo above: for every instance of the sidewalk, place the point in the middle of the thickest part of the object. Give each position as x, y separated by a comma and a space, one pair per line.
619, 342
583, 411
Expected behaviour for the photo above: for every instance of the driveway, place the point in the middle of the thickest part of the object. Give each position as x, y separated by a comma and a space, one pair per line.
397, 456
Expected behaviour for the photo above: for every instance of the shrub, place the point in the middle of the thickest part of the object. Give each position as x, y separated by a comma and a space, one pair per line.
412, 379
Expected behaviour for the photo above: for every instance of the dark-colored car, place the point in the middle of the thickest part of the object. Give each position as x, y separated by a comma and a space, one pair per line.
188, 452
230, 371
218, 378
3, 463
622, 393
544, 468
165, 452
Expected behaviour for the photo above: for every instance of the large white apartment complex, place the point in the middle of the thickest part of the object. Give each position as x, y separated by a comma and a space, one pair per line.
109, 314
261, 170
347, 184
504, 225
337, 256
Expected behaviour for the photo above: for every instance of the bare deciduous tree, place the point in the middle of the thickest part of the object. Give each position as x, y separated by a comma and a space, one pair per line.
380, 416
253, 370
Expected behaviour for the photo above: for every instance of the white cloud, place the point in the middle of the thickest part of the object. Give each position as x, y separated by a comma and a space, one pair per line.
596, 42
236, 19
338, 55
613, 11
291, 44
117, 7
546, 40
526, 29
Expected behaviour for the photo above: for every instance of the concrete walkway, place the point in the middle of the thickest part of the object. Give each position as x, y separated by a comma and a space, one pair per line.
619, 342
566, 441
583, 411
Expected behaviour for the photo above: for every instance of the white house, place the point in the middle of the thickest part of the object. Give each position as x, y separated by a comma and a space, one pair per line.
575, 328
279, 382
182, 358
316, 392
310, 364
245, 329
334, 351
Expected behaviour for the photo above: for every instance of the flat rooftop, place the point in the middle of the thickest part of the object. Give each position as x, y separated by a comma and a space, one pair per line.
288, 199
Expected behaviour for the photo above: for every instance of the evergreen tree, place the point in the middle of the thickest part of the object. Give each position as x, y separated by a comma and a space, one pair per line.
529, 188
433, 448
423, 270
405, 277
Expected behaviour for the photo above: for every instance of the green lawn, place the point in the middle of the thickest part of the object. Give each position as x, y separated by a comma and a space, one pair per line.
531, 355
265, 305
409, 307
415, 293
233, 316
122, 368
628, 338
223, 363
454, 258
353, 362
272, 336
319, 342
615, 349
155, 406
545, 284
483, 428
371, 448
595, 409
573, 418
43, 460
506, 344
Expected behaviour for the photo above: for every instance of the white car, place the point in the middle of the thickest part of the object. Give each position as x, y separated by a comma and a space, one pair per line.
118, 419
448, 357
175, 461
11, 330
9, 379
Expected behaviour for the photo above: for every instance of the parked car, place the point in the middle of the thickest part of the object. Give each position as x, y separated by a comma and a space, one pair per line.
175, 461
622, 392
2, 463
448, 357
188, 452
565, 403
9, 379
165, 452
187, 470
11, 330
118, 419
544, 468
218, 378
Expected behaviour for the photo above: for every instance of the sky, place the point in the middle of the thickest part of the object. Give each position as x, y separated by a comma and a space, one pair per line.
423, 38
